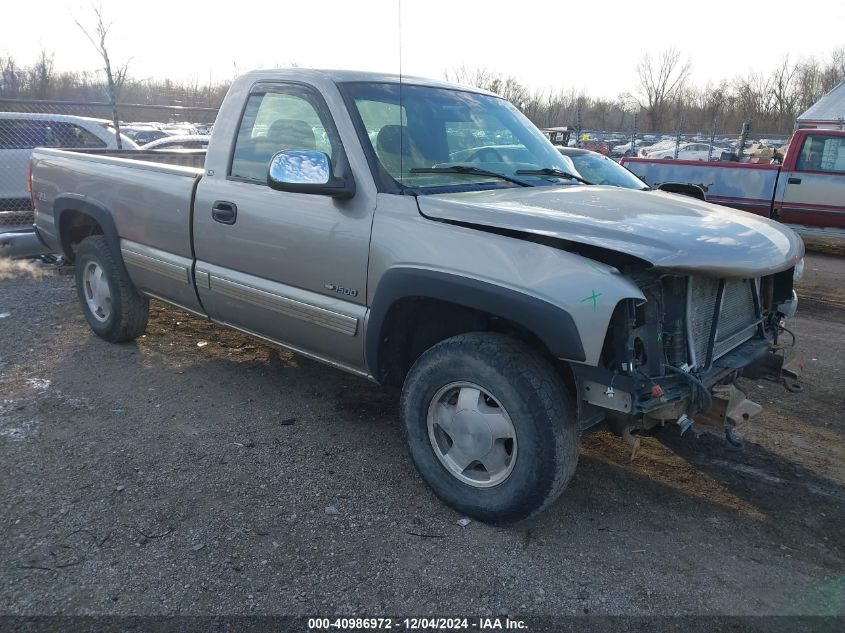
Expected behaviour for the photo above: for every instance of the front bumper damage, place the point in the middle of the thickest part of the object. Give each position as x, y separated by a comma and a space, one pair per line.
651, 375
633, 405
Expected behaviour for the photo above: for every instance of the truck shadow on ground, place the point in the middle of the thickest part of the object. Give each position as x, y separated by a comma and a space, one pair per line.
255, 383
772, 497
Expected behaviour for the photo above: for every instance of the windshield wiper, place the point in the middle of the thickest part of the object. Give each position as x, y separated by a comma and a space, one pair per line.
552, 171
468, 169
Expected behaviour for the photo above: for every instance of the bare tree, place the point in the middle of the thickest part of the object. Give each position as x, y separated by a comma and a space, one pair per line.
626, 104
784, 94
10, 77
559, 108
115, 76
659, 83
753, 97
506, 86
41, 75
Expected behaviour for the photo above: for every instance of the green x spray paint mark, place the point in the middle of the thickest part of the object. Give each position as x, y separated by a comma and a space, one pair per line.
593, 297
596, 267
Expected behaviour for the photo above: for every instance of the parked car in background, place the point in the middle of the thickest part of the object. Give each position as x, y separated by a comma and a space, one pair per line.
690, 151
807, 191
195, 141
624, 149
19, 134
655, 145
178, 129
142, 134
558, 135
596, 146
601, 170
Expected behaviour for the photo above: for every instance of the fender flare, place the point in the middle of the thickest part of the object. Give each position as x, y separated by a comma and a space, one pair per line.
553, 325
74, 202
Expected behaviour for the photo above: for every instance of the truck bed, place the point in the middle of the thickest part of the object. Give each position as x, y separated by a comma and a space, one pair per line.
147, 195
806, 192
739, 185
192, 158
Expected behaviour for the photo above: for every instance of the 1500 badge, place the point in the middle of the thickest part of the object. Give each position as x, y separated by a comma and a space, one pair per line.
342, 290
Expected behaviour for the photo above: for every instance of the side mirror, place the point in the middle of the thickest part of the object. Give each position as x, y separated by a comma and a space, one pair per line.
307, 171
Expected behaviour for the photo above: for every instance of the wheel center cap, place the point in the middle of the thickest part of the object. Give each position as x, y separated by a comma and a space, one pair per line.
472, 434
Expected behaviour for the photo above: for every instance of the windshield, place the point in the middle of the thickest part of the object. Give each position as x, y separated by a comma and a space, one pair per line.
438, 128
601, 170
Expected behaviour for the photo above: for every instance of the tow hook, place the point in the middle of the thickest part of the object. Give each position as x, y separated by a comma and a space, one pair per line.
730, 408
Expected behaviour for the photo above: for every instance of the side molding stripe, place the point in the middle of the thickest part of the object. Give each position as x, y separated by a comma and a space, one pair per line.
158, 266
329, 319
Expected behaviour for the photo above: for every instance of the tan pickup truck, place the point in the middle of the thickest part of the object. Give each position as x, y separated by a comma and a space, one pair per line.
428, 237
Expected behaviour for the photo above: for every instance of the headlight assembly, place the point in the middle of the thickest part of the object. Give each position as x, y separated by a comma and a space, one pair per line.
798, 272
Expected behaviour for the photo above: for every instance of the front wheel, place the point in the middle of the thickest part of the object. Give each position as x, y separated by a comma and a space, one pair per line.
489, 426
113, 307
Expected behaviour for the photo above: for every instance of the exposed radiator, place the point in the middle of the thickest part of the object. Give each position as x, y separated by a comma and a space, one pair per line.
737, 316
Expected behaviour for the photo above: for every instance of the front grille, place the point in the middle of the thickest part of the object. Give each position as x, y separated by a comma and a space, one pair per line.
737, 316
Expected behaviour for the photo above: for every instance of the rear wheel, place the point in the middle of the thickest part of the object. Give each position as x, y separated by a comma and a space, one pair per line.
113, 307
489, 426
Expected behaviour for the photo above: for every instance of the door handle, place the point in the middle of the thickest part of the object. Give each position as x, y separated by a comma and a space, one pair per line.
224, 212
793, 181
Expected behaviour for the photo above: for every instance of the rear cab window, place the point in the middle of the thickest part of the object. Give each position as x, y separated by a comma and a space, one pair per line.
822, 153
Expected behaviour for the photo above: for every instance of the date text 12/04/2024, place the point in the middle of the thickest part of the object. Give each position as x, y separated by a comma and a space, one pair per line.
416, 624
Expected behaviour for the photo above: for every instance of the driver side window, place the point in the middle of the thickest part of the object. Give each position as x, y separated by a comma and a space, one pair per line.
275, 121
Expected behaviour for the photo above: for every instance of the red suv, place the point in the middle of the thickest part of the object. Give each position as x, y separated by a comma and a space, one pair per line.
596, 146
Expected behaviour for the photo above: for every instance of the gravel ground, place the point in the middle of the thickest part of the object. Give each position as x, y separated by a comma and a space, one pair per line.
197, 471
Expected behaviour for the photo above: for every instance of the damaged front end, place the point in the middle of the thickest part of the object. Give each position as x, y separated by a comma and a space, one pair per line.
675, 357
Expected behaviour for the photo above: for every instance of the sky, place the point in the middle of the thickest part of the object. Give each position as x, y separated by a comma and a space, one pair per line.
592, 46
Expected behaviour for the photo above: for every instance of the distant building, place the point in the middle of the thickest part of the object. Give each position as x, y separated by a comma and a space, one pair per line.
828, 112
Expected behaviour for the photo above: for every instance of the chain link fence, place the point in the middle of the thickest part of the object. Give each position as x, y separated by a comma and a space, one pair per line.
26, 124
744, 146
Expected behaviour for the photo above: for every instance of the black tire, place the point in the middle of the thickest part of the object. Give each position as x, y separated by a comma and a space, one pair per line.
538, 405
130, 310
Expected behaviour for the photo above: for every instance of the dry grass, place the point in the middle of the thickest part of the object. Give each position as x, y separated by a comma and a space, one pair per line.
15, 268
825, 245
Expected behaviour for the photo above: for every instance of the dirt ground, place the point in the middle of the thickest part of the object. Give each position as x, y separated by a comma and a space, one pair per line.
197, 471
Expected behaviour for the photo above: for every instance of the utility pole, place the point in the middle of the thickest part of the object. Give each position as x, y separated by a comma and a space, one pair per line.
678, 134
743, 138
578, 125
712, 139
634, 135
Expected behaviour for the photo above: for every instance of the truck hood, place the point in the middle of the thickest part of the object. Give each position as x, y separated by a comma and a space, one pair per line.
669, 231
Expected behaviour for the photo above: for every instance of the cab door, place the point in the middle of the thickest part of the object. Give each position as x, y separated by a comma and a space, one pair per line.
290, 267
812, 192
